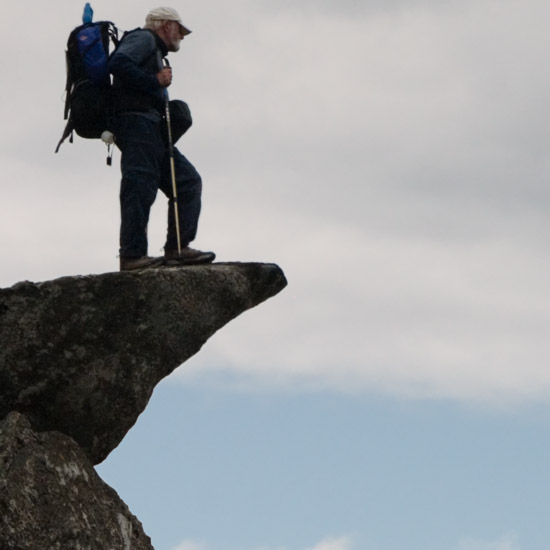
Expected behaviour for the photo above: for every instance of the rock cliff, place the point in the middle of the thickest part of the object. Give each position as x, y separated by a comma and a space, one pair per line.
51, 496
79, 360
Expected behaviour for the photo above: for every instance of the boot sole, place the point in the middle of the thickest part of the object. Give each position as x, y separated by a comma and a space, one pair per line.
178, 262
157, 263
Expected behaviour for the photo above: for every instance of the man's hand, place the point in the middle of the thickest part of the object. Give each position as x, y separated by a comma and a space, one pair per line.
165, 77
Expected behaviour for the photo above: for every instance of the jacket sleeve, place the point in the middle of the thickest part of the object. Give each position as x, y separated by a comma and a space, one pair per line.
127, 60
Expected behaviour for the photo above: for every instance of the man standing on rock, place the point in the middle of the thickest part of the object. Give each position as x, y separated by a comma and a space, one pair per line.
140, 82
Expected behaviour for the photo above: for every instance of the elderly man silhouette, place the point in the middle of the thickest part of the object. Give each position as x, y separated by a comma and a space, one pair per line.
140, 80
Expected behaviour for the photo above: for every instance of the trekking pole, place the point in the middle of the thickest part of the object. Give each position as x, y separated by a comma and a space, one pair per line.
172, 168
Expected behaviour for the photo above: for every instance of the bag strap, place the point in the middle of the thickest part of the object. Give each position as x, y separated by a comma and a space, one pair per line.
68, 131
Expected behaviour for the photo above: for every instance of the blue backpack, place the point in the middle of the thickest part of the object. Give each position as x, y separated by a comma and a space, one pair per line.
88, 104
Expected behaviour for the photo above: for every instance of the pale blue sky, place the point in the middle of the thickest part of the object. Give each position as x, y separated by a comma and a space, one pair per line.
236, 471
392, 158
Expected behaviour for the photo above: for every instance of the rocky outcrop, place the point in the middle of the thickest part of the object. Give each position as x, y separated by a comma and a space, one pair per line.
82, 355
79, 359
51, 496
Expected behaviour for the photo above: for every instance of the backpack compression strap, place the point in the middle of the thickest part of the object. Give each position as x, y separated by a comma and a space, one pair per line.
68, 131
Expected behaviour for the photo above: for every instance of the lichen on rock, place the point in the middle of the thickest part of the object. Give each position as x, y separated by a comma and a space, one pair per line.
51, 496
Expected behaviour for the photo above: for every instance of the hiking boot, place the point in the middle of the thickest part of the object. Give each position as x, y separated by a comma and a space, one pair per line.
188, 256
145, 262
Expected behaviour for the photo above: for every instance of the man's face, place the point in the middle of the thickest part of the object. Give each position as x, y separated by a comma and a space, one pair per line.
174, 35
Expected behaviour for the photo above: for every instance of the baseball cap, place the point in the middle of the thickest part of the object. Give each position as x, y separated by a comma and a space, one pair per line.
165, 14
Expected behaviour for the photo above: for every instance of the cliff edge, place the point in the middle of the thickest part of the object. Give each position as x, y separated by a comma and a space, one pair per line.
79, 360
82, 355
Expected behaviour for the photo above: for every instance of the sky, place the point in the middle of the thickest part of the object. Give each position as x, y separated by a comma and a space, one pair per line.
391, 157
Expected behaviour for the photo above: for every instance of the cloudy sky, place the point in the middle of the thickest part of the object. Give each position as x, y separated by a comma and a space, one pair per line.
391, 157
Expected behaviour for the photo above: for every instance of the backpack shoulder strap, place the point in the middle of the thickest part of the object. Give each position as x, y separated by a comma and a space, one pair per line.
148, 31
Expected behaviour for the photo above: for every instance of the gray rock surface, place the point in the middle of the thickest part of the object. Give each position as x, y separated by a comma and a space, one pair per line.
51, 496
82, 355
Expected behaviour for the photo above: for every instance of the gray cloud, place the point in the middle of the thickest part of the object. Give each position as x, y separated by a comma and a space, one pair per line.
391, 158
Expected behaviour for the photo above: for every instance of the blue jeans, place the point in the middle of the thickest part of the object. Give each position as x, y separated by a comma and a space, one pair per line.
145, 166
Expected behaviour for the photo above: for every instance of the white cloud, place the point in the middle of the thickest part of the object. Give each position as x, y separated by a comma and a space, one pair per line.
399, 314
190, 545
507, 542
415, 247
392, 162
341, 543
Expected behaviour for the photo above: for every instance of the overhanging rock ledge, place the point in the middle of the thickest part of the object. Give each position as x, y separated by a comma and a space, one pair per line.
82, 355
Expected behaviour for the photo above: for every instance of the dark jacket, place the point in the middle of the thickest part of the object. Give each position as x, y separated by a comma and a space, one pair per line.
134, 65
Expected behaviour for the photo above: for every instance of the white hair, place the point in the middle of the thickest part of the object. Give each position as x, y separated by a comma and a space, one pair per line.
153, 25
